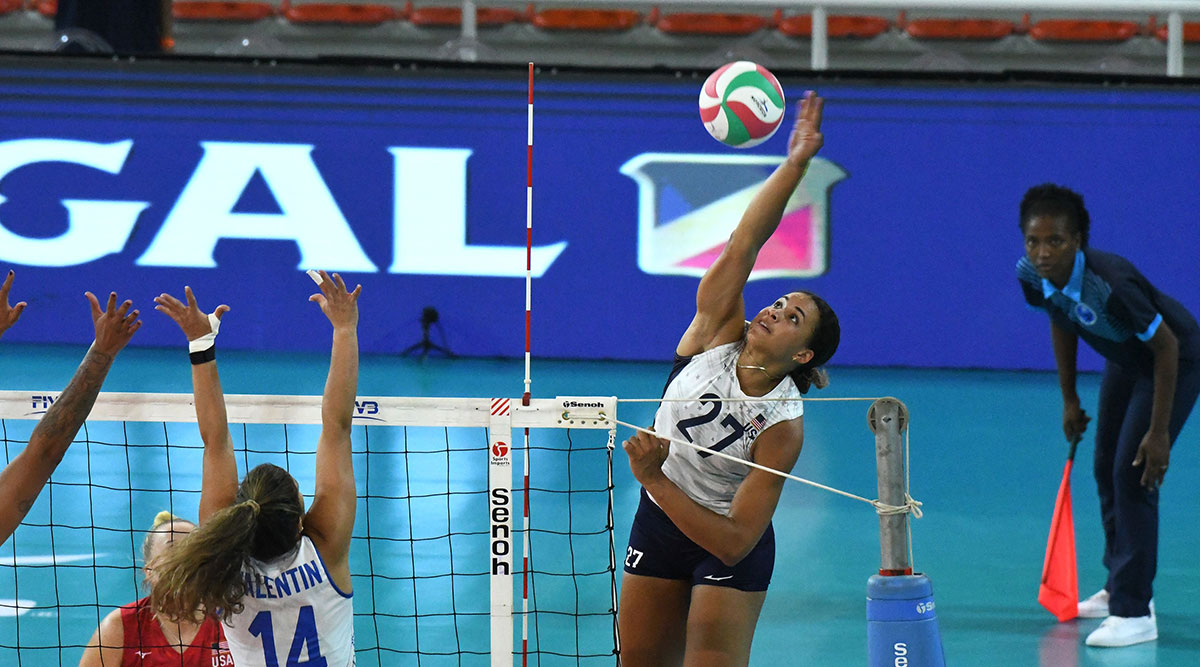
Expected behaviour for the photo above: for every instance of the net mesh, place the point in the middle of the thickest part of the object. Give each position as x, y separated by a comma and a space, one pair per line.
420, 554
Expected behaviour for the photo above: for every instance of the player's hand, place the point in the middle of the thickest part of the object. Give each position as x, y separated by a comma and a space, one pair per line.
339, 304
1075, 421
1155, 454
646, 456
194, 323
115, 325
9, 314
806, 137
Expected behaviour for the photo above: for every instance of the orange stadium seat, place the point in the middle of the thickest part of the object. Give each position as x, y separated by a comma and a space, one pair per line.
339, 13
601, 20
1070, 30
214, 10
978, 29
45, 7
8, 6
445, 17
837, 27
688, 23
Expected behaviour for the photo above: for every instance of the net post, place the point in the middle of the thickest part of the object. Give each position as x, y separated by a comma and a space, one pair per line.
902, 626
888, 419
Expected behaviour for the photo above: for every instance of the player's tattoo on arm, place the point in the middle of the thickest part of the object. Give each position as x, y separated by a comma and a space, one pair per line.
57, 429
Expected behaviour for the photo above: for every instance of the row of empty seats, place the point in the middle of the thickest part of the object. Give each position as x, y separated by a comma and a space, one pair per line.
671, 22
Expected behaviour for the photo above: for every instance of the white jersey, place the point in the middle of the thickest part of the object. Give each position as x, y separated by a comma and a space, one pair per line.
726, 426
293, 612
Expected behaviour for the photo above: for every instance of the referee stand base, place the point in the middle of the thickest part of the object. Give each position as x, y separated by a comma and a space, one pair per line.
902, 627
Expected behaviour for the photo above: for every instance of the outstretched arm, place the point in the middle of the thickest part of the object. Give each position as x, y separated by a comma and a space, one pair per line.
330, 520
23, 479
218, 486
8, 314
720, 311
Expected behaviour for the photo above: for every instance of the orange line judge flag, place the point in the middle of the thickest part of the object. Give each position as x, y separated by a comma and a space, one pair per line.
1059, 592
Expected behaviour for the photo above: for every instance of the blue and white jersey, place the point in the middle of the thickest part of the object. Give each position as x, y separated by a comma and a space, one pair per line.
1113, 307
729, 427
294, 614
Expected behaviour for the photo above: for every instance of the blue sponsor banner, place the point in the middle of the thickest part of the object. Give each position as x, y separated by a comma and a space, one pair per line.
233, 178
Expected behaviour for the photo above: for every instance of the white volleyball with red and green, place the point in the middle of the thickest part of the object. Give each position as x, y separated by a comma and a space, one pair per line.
741, 104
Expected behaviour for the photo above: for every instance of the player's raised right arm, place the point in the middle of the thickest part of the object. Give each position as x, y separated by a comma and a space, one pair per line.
720, 311
330, 520
219, 481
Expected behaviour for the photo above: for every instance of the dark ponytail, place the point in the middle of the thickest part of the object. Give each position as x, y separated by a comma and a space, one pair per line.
824, 343
203, 573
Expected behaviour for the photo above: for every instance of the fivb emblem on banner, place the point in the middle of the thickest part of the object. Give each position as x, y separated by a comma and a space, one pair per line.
688, 203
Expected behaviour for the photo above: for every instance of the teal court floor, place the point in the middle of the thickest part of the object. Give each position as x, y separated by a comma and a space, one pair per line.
987, 456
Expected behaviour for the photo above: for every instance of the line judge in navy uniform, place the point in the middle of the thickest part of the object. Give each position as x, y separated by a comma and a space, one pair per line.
1151, 345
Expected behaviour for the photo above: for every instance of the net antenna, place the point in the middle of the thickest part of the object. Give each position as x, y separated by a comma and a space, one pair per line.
528, 233
525, 398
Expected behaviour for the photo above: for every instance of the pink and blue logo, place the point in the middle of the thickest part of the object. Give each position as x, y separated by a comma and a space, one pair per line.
688, 203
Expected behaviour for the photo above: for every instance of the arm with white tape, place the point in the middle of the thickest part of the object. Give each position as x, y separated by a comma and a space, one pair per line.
220, 479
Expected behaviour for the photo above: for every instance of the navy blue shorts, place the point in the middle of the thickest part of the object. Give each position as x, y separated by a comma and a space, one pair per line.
658, 549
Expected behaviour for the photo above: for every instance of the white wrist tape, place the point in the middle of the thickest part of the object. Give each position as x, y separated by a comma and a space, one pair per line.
207, 340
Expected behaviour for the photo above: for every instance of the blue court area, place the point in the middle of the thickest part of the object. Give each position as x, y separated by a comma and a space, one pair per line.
987, 457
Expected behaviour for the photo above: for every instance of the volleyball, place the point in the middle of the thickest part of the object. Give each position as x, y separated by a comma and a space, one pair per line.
741, 104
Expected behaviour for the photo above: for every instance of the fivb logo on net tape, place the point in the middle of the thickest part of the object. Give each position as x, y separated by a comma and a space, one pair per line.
688, 203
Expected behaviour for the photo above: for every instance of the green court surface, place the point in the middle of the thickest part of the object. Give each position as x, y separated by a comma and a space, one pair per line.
987, 456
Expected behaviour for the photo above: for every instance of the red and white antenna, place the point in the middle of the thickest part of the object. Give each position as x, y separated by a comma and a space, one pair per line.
528, 234
525, 397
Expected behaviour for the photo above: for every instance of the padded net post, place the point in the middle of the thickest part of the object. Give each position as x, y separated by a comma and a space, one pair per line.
888, 419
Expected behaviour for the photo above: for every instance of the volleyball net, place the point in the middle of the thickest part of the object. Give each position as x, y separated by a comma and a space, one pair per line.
483, 536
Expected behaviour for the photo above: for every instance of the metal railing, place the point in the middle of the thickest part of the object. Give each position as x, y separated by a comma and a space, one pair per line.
1174, 9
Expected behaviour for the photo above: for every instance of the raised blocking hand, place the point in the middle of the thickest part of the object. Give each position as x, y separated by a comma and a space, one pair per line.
9, 314
194, 322
115, 325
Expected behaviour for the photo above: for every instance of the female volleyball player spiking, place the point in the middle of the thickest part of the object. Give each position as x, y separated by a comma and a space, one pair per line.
134, 635
701, 550
278, 576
